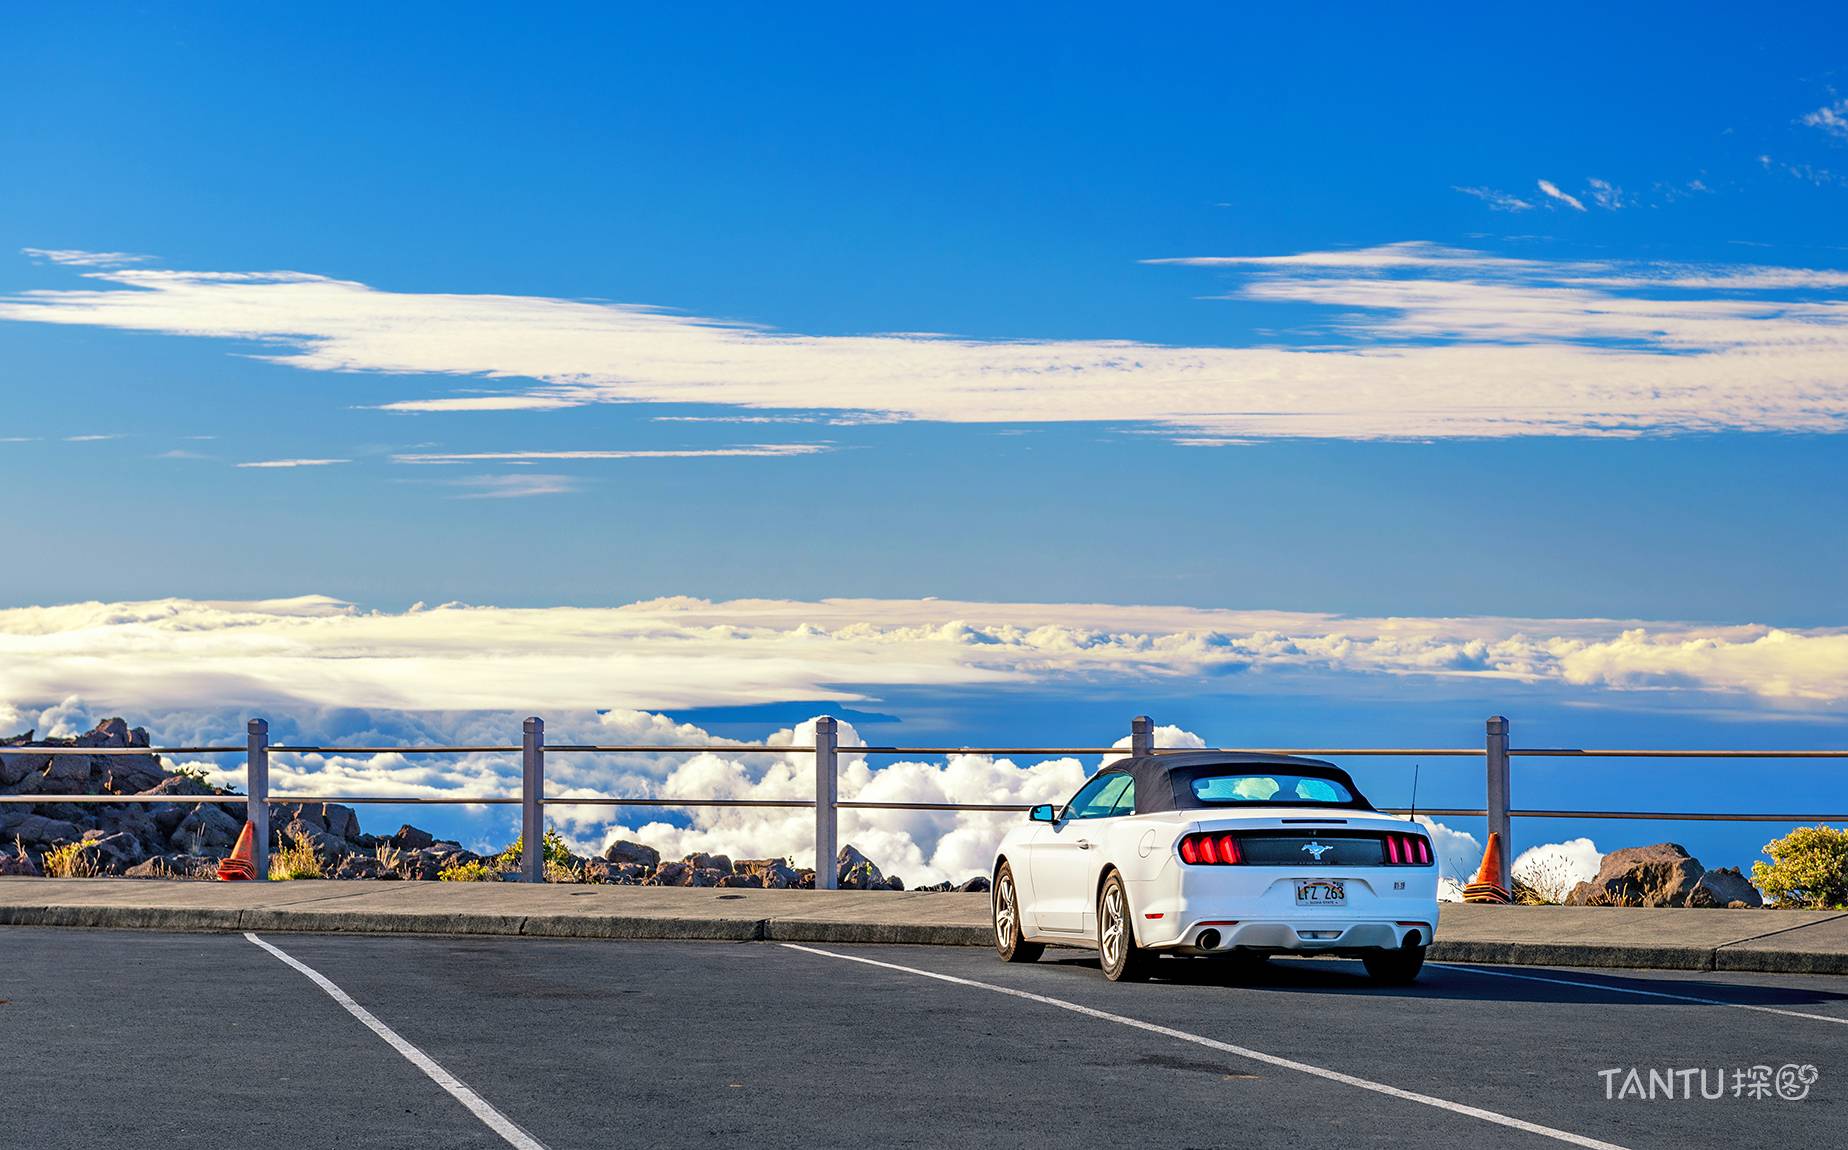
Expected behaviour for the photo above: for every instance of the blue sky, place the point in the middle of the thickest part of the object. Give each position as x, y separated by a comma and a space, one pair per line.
1462, 315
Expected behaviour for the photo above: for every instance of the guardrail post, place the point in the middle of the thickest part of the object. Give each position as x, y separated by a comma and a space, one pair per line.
256, 790
1500, 793
827, 794
532, 800
1142, 735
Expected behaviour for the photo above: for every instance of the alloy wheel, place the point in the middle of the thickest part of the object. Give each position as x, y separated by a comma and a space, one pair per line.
1114, 923
1004, 911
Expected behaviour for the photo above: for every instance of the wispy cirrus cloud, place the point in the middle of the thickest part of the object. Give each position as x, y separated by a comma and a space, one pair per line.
526, 486
1497, 200
286, 464
1605, 194
1807, 172
1552, 192
72, 257
1420, 342
749, 451
1831, 118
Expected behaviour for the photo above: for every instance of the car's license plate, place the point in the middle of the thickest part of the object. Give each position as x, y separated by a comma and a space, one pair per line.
1321, 892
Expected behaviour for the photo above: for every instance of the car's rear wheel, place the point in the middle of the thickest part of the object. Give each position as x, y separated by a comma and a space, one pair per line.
1395, 967
1122, 959
1010, 943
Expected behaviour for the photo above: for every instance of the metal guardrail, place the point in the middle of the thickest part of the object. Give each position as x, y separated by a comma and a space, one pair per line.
828, 804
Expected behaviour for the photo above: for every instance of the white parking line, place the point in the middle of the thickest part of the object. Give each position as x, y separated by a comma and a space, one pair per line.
1644, 993
477, 1105
1241, 1051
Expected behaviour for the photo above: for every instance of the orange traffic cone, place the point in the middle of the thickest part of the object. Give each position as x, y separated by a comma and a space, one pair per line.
1488, 887
242, 862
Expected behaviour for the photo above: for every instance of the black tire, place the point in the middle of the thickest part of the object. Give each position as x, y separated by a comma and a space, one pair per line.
1117, 952
1010, 944
1395, 967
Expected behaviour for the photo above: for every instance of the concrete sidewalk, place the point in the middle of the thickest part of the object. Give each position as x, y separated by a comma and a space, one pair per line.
1793, 942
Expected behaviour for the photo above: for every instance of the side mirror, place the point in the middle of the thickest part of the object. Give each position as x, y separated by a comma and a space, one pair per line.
1041, 813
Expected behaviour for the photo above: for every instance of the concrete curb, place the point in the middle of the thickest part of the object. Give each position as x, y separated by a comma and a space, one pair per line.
1779, 942
1487, 953
213, 920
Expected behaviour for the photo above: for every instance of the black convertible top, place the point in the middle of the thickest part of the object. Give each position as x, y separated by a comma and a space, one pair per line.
1164, 782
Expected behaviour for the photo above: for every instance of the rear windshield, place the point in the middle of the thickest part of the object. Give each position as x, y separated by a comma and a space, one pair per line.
1242, 787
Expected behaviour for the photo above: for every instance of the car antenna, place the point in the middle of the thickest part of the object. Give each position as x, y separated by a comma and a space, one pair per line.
1414, 815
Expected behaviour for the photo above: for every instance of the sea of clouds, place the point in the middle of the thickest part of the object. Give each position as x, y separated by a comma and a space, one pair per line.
920, 846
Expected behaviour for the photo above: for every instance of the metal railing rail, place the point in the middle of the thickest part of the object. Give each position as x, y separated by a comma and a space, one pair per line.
827, 803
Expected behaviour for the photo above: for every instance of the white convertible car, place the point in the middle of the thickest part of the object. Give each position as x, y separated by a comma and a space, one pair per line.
1203, 853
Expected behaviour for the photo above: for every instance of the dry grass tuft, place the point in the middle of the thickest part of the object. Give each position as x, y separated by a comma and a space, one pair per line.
70, 860
1545, 882
295, 858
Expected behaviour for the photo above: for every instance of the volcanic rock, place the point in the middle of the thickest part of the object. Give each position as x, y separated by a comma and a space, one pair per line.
410, 838
1726, 886
1660, 875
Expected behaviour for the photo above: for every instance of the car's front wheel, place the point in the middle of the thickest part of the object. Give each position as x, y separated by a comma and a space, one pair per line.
1010, 943
1395, 967
1122, 959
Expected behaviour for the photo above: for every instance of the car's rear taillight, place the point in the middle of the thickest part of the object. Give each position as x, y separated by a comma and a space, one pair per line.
1408, 850
1211, 850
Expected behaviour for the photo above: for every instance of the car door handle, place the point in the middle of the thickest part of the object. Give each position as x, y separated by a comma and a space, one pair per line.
1083, 844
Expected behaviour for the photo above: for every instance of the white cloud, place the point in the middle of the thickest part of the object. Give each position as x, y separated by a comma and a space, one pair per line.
1497, 200
1831, 118
1443, 344
512, 486
284, 464
164, 655
1412, 255
1165, 735
519, 402
1604, 194
1555, 868
71, 257
751, 451
1459, 855
1808, 173
734, 419
93, 438
920, 846
1552, 191
1771, 663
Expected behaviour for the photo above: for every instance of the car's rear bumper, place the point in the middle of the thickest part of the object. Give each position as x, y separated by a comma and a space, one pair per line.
1256, 908
1317, 937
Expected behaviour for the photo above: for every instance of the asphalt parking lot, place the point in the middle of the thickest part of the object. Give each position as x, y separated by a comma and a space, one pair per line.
215, 1040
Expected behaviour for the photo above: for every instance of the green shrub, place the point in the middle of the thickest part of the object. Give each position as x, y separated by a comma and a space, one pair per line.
559, 865
473, 871
295, 858
1808, 868
195, 773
